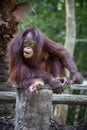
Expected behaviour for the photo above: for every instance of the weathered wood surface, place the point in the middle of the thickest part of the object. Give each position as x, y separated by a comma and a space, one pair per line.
34, 113
7, 97
82, 86
69, 99
10, 97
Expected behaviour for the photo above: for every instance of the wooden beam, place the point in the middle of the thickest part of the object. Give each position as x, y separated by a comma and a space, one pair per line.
10, 97
82, 86
69, 99
7, 97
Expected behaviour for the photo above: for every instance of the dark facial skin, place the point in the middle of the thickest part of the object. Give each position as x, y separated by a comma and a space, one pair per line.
28, 46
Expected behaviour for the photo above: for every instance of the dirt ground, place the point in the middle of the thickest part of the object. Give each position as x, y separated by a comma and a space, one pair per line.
6, 120
7, 123
58, 126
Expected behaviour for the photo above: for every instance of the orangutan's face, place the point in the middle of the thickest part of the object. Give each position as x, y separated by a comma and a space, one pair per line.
28, 46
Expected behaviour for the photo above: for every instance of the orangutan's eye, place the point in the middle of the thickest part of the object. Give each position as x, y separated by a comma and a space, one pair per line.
31, 43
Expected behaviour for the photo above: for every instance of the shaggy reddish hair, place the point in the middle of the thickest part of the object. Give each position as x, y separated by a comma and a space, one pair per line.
48, 62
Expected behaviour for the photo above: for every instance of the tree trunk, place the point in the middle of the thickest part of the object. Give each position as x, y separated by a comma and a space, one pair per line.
34, 113
8, 26
69, 41
70, 26
70, 30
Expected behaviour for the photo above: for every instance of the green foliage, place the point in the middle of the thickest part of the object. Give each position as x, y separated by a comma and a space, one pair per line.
48, 17
81, 57
71, 114
81, 45
81, 15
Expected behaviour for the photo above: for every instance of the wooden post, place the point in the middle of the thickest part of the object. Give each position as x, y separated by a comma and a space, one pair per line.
34, 113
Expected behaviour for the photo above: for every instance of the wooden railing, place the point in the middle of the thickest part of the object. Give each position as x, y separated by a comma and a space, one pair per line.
10, 96
35, 112
72, 99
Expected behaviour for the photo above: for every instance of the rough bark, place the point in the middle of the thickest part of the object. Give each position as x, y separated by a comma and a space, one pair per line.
10, 14
8, 26
34, 113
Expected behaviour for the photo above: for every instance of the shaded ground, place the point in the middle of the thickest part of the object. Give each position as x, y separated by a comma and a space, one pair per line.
7, 123
58, 126
6, 120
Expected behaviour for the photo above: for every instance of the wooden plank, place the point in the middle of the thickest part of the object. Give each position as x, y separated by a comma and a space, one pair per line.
10, 97
7, 97
82, 86
69, 99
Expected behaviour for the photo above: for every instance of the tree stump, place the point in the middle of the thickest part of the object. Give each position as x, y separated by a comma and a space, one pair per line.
33, 113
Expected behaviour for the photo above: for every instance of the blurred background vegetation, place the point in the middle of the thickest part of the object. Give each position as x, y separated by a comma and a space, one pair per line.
49, 17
